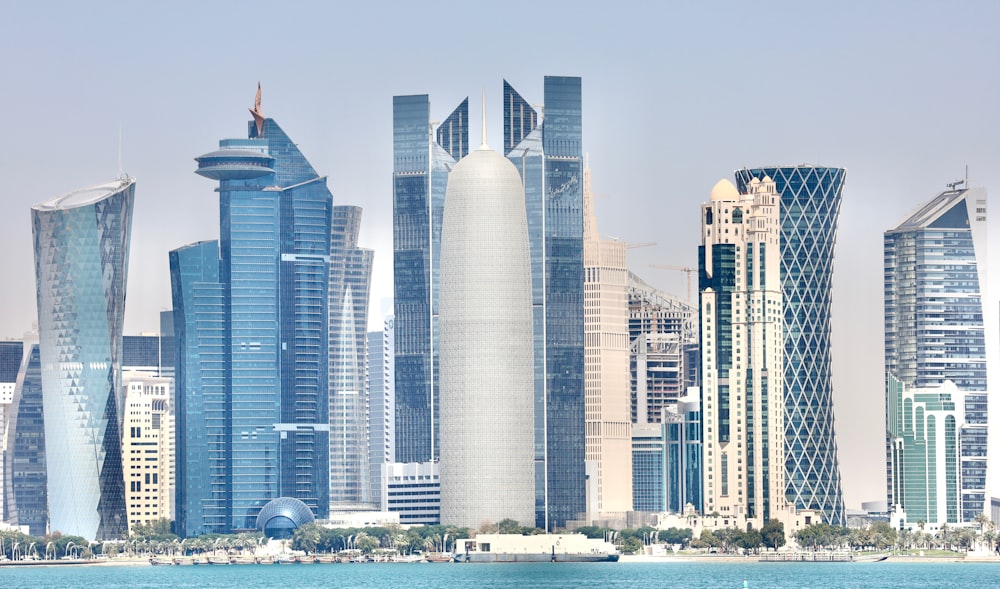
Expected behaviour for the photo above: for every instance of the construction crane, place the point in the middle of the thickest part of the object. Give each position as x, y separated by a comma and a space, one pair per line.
686, 269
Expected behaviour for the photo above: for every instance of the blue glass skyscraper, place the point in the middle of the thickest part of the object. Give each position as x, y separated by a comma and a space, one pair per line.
81, 243
25, 482
810, 206
201, 397
274, 246
420, 175
549, 156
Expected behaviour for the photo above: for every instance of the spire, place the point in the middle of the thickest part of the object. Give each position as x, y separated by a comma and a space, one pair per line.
484, 146
258, 116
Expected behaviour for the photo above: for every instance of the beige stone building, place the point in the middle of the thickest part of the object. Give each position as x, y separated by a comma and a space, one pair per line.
607, 380
148, 447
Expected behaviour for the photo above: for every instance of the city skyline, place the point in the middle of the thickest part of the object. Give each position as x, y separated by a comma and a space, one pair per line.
892, 117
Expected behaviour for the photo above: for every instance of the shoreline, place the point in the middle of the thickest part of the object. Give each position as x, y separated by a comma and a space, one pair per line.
625, 559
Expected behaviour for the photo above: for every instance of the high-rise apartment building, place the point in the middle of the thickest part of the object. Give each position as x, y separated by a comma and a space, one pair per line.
809, 210
381, 417
350, 283
935, 360
274, 256
548, 153
742, 392
81, 243
421, 164
487, 365
606, 361
667, 459
25, 486
148, 448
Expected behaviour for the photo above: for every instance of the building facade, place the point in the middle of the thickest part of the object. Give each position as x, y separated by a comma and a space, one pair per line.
381, 417
487, 363
935, 358
148, 448
742, 393
202, 467
663, 350
81, 243
548, 154
274, 257
413, 490
606, 360
350, 283
809, 211
421, 165
25, 482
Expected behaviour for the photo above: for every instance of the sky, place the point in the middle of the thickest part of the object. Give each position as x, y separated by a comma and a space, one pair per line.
676, 95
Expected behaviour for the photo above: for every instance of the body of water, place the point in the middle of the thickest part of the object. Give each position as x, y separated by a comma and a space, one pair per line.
685, 575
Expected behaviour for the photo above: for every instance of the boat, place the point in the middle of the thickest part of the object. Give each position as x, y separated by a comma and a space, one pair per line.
439, 557
161, 560
536, 548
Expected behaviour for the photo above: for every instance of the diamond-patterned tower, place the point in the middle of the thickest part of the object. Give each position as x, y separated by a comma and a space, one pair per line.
81, 262
810, 206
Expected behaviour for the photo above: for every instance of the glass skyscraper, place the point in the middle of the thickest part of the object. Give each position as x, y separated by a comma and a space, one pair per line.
935, 360
275, 230
549, 156
25, 501
809, 210
203, 469
81, 243
420, 175
350, 282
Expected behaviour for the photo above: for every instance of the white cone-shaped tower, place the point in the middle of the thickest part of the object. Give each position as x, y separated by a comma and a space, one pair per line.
487, 406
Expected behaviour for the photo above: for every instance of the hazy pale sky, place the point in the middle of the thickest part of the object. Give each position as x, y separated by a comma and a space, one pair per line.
676, 95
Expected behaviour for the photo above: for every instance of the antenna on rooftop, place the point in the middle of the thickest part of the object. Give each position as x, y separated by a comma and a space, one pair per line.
121, 167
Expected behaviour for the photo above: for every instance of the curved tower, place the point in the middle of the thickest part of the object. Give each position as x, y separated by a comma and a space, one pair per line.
810, 205
81, 263
487, 414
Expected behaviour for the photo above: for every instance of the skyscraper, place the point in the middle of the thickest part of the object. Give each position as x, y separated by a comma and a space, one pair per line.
549, 157
350, 282
203, 470
81, 264
420, 174
486, 357
809, 209
935, 360
608, 419
25, 483
741, 338
274, 247
381, 417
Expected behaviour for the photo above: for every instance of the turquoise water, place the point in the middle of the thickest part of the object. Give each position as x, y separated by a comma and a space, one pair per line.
685, 575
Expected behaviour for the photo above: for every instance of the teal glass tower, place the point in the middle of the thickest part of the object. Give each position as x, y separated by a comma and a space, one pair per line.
809, 210
548, 154
81, 263
421, 164
274, 246
935, 360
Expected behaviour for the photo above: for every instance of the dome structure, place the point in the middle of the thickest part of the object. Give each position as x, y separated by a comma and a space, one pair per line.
282, 516
724, 190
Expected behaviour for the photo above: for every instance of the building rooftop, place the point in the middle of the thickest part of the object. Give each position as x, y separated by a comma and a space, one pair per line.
85, 196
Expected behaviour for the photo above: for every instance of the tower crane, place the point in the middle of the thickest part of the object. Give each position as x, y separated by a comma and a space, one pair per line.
686, 269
